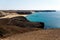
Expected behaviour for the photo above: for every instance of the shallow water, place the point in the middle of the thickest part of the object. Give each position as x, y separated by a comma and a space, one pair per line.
51, 19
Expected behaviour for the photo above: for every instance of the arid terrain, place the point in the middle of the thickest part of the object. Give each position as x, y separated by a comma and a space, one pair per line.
37, 35
9, 31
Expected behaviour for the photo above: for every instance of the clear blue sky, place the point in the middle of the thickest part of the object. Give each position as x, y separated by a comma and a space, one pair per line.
29, 4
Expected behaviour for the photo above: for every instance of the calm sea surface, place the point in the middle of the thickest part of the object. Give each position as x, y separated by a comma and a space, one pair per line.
50, 19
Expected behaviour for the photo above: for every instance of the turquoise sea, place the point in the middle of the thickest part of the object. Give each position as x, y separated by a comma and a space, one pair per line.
50, 19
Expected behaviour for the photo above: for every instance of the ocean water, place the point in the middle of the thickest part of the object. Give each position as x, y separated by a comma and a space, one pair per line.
50, 19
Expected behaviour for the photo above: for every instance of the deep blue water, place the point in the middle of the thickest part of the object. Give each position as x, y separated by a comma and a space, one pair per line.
50, 19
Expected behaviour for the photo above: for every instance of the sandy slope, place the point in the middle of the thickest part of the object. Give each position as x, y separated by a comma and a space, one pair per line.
12, 15
37, 35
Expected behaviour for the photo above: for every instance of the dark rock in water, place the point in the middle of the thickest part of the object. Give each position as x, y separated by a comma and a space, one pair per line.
23, 22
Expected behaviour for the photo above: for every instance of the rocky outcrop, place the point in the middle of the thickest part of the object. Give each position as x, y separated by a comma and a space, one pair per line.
23, 22
10, 26
23, 12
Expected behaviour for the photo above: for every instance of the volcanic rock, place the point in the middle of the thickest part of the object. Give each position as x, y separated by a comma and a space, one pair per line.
23, 22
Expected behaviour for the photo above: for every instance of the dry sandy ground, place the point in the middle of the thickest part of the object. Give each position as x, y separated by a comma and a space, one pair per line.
37, 35
12, 15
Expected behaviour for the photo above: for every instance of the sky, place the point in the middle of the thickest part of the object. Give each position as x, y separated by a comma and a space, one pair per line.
29, 4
